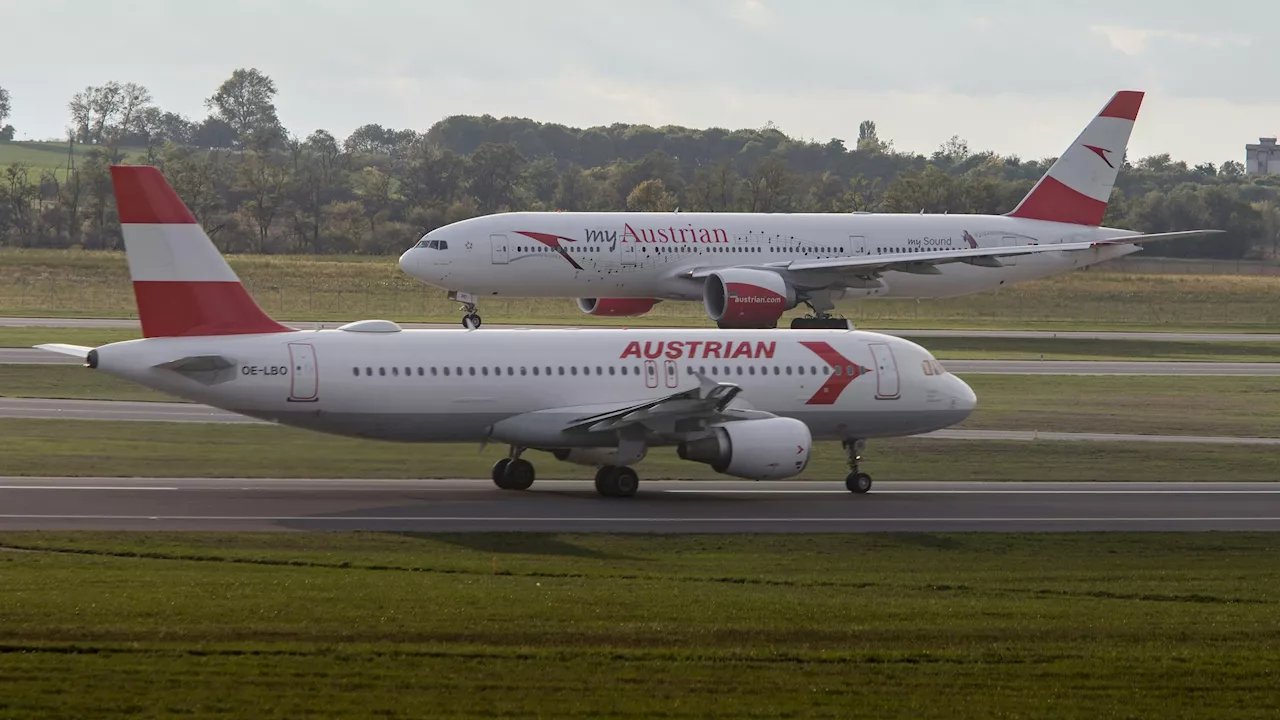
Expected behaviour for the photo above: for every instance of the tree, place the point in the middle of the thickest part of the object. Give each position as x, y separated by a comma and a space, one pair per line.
492, 174
246, 102
651, 196
6, 106
319, 176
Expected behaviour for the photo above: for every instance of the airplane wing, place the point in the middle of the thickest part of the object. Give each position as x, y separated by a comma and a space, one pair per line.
923, 262
710, 402
78, 351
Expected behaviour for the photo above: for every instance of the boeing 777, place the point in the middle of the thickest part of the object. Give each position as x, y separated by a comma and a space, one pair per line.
749, 268
748, 403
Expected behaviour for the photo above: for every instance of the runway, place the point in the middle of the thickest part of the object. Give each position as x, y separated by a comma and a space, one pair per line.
31, 356
1026, 334
118, 410
205, 504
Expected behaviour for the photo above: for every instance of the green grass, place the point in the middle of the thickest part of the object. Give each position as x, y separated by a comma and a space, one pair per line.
40, 156
83, 448
1147, 405
81, 283
400, 625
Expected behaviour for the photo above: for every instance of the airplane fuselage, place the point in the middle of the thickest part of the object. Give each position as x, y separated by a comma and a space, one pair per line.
521, 385
648, 255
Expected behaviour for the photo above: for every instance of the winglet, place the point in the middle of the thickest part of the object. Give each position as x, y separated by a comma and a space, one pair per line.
77, 351
181, 283
1078, 186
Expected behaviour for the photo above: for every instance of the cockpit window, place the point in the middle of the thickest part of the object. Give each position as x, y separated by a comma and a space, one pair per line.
442, 244
433, 244
421, 244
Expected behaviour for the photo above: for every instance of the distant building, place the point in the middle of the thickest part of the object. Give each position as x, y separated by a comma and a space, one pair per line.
1263, 158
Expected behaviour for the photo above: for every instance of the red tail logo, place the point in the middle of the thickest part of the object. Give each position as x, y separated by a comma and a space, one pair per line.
1102, 153
843, 372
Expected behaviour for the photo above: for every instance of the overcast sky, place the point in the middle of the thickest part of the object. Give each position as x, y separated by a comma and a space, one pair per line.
1016, 77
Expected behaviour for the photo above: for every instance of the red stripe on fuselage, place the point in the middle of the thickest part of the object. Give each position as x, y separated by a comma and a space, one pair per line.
189, 309
1055, 202
844, 372
143, 196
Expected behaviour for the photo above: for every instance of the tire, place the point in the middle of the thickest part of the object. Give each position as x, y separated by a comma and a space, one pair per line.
471, 322
518, 475
612, 481
625, 482
858, 482
499, 473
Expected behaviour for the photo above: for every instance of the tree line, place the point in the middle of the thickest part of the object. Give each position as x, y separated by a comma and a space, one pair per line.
257, 187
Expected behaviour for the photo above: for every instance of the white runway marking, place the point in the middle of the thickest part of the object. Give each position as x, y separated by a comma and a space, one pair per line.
518, 519
979, 492
84, 487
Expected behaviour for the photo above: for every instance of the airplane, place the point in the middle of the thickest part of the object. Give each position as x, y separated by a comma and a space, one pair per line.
748, 403
749, 268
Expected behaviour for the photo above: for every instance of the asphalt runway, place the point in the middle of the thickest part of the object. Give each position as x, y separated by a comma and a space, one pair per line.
31, 356
118, 410
1068, 335
204, 504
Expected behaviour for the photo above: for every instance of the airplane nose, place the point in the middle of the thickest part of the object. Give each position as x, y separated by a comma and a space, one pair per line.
963, 396
408, 262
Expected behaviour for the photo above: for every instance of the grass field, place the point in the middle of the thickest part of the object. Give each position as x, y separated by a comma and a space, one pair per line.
943, 348
461, 626
1150, 405
79, 283
85, 448
46, 156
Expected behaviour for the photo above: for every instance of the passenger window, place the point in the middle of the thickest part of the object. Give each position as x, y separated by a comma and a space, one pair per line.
511, 371
573, 370
535, 369
395, 372
561, 370
471, 370
715, 370
613, 370
524, 370
813, 370
420, 372
751, 370
800, 370
739, 369
826, 369
446, 372
849, 369
483, 371
788, 369
355, 371
368, 371
839, 370
382, 372
599, 371
433, 372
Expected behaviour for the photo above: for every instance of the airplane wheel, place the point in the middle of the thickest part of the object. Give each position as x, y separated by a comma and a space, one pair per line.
858, 482
612, 481
518, 475
499, 473
471, 322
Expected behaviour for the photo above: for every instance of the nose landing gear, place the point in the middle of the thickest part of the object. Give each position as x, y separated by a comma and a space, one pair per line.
471, 320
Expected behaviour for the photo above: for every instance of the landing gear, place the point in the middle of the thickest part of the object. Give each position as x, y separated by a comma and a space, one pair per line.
513, 473
856, 481
821, 306
471, 320
614, 481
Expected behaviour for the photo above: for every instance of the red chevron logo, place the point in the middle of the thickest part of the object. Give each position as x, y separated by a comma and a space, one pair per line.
553, 242
843, 372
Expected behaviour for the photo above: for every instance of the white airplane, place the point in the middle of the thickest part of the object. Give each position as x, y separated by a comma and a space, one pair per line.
749, 403
749, 268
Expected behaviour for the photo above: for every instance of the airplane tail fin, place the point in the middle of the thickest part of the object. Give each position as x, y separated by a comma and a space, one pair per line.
182, 284
1076, 189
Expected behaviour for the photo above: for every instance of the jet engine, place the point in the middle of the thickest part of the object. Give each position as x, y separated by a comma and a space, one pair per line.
744, 298
766, 449
589, 456
616, 307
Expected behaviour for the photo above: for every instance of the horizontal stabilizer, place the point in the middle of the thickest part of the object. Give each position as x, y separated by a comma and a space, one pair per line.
1153, 237
78, 351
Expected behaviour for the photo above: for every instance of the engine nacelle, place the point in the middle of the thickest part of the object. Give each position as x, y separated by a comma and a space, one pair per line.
766, 449
589, 456
744, 298
616, 307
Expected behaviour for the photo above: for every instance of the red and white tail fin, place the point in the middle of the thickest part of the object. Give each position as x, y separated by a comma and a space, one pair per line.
1076, 189
182, 284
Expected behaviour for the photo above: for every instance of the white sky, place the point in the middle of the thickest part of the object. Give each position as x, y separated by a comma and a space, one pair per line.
1017, 77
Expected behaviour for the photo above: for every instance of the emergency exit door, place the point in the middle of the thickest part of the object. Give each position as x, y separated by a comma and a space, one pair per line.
886, 372
498, 243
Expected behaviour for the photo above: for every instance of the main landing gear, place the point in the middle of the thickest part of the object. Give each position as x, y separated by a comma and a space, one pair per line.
614, 481
856, 481
822, 319
471, 320
516, 473
513, 473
